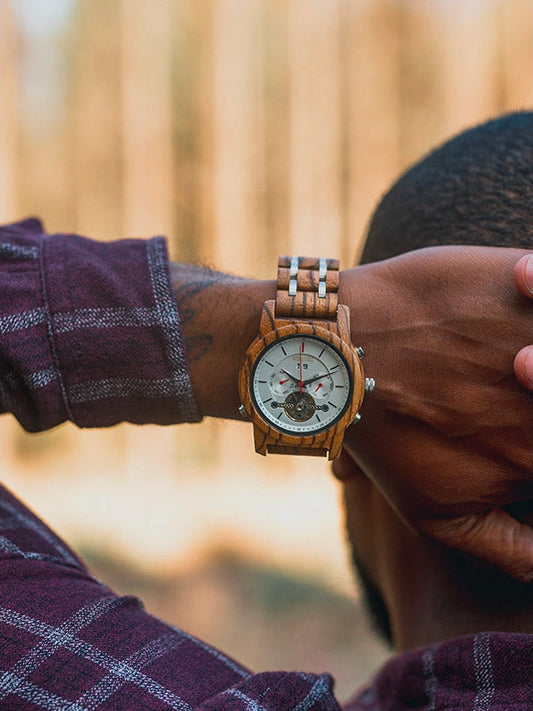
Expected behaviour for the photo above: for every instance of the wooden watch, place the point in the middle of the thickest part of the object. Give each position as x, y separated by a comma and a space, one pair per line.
301, 382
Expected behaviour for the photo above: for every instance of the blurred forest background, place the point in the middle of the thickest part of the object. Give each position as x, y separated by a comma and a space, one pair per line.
241, 129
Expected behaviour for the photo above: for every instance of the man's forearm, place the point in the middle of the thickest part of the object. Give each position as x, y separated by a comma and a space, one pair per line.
220, 318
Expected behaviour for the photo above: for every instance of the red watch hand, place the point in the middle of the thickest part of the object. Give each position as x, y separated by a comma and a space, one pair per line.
301, 370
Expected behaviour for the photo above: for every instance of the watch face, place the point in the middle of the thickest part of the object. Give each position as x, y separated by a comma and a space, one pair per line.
301, 385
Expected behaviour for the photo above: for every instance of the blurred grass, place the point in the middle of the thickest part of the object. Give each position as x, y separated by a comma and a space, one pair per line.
260, 615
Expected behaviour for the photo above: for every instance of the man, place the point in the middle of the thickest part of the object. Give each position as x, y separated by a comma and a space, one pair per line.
471, 624
91, 333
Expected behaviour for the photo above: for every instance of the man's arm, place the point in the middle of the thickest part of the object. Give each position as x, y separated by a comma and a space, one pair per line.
220, 318
447, 432
91, 333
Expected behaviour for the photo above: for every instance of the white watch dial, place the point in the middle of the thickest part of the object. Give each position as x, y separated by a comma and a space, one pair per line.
301, 385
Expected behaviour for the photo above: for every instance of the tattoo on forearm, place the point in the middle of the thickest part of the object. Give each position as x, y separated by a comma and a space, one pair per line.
197, 346
187, 291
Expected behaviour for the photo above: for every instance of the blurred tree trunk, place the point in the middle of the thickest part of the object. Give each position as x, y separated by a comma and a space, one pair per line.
316, 126
95, 111
9, 114
146, 92
371, 103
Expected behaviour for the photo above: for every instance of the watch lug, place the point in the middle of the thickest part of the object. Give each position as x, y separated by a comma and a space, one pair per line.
343, 322
260, 441
335, 445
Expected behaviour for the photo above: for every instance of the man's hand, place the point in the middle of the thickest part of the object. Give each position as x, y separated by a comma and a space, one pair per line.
523, 364
447, 434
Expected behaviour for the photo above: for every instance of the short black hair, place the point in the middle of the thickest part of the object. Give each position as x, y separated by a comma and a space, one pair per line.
476, 189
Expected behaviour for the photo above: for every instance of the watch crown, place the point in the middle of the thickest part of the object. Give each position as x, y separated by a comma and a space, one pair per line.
243, 413
357, 418
370, 384
360, 352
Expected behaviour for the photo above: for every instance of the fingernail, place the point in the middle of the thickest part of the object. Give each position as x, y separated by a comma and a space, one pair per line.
529, 366
528, 273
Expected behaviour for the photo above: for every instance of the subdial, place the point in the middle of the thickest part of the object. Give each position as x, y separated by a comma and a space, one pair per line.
321, 388
281, 384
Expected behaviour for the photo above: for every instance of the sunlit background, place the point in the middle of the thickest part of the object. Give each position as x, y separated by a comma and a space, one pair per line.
241, 129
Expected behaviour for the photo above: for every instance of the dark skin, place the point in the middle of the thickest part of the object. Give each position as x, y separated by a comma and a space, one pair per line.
447, 437
523, 279
441, 328
430, 591
427, 596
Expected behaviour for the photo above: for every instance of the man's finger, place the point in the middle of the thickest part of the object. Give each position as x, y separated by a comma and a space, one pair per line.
523, 275
495, 537
523, 367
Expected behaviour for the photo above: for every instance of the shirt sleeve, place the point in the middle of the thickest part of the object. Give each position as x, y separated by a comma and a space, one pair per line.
68, 642
89, 332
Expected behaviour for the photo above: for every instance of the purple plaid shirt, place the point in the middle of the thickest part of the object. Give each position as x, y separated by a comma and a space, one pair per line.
90, 332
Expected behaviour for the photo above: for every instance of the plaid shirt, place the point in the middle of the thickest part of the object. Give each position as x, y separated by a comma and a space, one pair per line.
90, 332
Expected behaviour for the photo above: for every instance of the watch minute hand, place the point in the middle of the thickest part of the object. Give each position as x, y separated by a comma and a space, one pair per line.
316, 377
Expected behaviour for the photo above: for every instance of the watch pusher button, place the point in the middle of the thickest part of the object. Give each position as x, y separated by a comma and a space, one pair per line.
370, 384
360, 352
243, 413
357, 418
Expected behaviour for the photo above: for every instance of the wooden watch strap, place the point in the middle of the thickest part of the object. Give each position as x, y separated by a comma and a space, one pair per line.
307, 288
305, 451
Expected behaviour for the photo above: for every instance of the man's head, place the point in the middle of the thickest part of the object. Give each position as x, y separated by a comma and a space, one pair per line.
476, 189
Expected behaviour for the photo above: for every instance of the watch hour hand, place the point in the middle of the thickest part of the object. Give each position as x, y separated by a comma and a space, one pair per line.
292, 377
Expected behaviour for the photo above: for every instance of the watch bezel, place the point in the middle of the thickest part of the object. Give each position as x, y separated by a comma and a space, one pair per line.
355, 370
316, 430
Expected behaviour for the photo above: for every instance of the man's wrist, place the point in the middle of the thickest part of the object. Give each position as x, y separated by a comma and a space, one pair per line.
220, 318
368, 293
